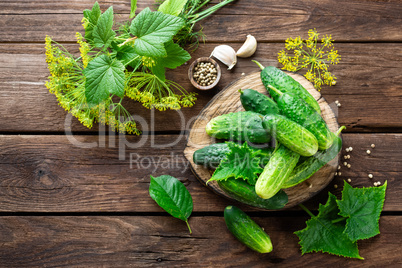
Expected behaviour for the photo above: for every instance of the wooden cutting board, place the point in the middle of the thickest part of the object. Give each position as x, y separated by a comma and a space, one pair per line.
227, 101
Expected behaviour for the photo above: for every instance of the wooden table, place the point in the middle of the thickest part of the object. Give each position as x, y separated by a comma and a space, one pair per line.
64, 205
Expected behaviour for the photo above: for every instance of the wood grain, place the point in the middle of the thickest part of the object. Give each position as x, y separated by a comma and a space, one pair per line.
267, 20
164, 241
47, 173
228, 101
368, 76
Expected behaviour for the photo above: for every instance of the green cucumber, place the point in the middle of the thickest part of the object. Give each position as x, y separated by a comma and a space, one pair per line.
280, 80
240, 126
297, 110
290, 134
276, 172
210, 156
311, 165
243, 192
246, 230
255, 101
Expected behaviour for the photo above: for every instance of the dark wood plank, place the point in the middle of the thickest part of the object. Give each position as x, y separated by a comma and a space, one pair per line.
164, 241
267, 20
50, 174
368, 77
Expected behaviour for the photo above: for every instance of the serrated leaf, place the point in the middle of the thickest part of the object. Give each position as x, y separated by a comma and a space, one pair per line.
104, 76
159, 71
176, 56
127, 56
172, 7
322, 234
133, 8
103, 33
92, 17
362, 207
152, 30
171, 195
240, 163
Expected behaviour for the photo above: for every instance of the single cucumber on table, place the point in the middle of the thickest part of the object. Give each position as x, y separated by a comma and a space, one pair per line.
210, 156
257, 102
279, 79
243, 192
246, 230
290, 134
239, 126
276, 172
297, 110
311, 165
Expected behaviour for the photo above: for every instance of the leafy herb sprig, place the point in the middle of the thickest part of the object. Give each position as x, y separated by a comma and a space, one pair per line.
128, 62
341, 223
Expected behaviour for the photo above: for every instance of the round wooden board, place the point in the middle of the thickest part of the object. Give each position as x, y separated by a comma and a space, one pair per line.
228, 101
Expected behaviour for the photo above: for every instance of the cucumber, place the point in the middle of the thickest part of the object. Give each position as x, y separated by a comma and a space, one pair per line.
291, 134
240, 126
255, 101
280, 80
276, 172
210, 156
246, 230
297, 110
243, 192
311, 165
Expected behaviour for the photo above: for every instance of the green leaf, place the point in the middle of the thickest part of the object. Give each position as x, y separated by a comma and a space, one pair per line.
152, 30
323, 234
133, 8
104, 76
92, 17
127, 56
362, 207
241, 163
159, 70
171, 195
172, 7
103, 33
176, 56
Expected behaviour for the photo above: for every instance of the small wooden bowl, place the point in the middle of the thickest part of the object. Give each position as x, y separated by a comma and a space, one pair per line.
191, 73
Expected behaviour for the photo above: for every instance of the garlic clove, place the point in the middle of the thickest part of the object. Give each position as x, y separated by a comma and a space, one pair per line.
226, 54
248, 48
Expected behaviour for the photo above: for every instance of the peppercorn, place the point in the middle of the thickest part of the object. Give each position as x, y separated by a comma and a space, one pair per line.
205, 73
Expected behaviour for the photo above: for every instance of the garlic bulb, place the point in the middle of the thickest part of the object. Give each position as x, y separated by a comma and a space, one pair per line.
226, 54
248, 48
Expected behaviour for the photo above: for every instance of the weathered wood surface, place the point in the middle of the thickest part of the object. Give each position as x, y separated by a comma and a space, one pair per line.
227, 101
268, 20
50, 174
84, 207
368, 77
164, 241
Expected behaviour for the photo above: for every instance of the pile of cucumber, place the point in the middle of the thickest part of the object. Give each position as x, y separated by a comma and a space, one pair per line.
291, 118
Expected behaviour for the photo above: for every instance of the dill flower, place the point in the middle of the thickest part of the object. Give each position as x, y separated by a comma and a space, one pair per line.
148, 61
152, 92
84, 50
313, 54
